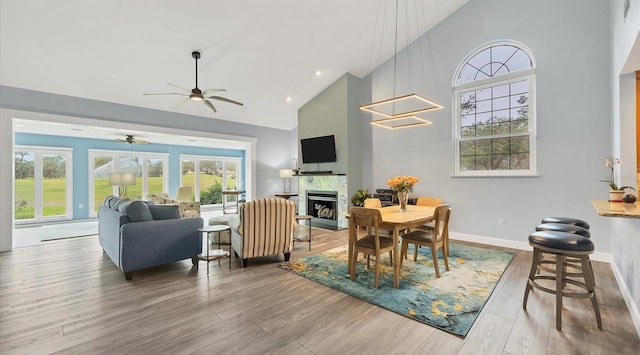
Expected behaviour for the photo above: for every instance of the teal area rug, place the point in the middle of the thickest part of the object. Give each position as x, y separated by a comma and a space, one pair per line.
451, 303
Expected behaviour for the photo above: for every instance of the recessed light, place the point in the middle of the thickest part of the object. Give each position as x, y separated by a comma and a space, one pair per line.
19, 125
318, 72
288, 99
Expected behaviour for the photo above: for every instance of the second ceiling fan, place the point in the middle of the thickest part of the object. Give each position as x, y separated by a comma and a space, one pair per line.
196, 94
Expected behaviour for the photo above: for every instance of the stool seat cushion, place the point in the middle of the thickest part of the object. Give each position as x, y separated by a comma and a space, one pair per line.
561, 240
567, 228
566, 220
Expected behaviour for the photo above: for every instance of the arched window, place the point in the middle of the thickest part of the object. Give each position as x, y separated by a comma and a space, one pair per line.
494, 111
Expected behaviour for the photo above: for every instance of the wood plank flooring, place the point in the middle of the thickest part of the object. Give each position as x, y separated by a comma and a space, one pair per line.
67, 297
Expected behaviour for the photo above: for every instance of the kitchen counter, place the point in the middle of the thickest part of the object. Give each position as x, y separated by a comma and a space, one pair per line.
616, 209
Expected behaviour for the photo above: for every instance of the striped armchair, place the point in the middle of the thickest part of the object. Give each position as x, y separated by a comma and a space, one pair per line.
263, 227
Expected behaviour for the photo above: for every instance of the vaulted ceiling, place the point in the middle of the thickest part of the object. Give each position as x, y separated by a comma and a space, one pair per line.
261, 52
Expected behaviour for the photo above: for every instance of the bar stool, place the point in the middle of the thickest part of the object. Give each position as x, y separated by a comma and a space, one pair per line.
567, 228
566, 220
562, 245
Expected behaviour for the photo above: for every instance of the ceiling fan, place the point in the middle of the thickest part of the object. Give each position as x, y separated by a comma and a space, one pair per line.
130, 139
196, 94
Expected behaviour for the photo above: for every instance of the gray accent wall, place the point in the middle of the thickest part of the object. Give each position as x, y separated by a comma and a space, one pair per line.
335, 111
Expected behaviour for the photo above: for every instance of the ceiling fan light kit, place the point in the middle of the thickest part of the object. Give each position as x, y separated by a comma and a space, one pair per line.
196, 94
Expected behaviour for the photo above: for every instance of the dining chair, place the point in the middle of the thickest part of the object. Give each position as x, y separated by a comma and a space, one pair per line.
429, 202
435, 239
372, 203
370, 244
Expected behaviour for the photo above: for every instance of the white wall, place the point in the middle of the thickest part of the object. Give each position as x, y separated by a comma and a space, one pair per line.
625, 233
571, 44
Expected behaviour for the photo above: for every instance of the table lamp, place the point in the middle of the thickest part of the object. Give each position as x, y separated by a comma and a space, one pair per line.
285, 174
122, 180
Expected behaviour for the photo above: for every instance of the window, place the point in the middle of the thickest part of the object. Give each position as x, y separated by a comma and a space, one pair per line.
150, 170
208, 176
42, 184
494, 112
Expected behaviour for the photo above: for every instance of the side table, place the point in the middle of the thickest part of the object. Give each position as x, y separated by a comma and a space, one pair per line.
301, 237
214, 254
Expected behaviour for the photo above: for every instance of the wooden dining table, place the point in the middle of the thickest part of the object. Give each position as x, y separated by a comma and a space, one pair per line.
393, 219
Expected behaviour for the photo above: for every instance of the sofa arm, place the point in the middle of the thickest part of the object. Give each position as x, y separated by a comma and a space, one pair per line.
234, 224
152, 243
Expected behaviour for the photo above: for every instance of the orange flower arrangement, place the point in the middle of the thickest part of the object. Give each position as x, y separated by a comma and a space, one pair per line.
402, 183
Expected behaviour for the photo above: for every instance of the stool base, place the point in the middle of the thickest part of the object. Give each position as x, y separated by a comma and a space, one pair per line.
561, 278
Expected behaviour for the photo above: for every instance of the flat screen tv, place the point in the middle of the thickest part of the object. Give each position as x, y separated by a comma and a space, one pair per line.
318, 149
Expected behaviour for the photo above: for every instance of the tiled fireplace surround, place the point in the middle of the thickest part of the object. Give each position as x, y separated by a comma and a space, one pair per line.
337, 183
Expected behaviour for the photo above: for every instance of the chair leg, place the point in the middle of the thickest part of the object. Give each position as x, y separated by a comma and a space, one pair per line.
446, 258
589, 281
403, 251
434, 254
415, 252
532, 274
352, 265
390, 257
559, 283
377, 271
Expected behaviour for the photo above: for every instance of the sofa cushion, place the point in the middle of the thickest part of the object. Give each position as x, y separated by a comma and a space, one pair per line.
138, 211
113, 203
107, 200
164, 212
122, 206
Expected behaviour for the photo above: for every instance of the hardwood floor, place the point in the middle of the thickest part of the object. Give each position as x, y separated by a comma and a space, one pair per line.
68, 297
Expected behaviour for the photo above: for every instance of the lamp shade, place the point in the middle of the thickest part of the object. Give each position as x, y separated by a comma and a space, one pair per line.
286, 173
122, 179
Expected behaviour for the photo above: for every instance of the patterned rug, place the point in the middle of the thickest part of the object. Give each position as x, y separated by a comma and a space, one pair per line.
451, 302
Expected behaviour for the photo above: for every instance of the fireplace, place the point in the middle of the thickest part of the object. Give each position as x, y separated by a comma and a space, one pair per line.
323, 207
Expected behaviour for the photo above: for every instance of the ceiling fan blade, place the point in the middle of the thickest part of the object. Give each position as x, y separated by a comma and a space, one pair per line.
185, 100
210, 105
220, 98
140, 141
168, 93
176, 86
212, 91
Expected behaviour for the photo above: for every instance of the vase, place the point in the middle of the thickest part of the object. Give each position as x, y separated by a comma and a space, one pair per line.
616, 195
403, 199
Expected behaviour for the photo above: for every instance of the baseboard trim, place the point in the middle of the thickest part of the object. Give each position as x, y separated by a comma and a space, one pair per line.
626, 295
596, 256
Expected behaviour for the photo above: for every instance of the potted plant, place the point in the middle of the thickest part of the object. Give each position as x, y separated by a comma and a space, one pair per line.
616, 192
358, 198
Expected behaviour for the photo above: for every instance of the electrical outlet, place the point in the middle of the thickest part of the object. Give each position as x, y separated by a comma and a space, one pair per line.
501, 221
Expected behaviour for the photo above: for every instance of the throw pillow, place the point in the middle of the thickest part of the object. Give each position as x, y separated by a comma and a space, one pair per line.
164, 212
138, 211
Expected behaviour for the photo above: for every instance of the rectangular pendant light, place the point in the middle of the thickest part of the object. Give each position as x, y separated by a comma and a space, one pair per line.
401, 106
401, 122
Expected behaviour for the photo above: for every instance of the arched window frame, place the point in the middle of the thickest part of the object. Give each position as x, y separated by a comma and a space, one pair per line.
511, 77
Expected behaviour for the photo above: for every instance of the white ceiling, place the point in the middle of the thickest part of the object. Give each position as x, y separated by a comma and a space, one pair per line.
260, 51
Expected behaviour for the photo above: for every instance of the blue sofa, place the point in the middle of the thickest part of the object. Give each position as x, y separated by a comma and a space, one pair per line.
138, 234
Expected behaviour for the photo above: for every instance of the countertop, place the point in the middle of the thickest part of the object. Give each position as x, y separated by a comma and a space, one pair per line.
616, 209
